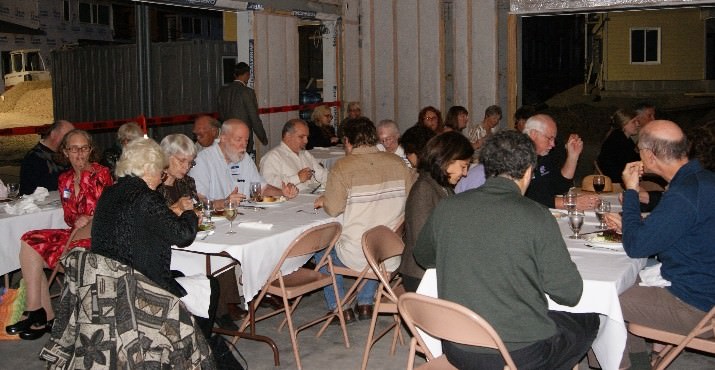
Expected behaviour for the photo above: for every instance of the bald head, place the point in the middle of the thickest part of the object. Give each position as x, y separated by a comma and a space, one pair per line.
206, 130
665, 139
56, 133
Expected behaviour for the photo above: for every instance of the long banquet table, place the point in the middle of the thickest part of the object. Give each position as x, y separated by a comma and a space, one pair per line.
605, 273
258, 251
12, 227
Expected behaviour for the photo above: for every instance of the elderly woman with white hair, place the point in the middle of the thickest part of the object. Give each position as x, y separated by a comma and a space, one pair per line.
177, 187
133, 225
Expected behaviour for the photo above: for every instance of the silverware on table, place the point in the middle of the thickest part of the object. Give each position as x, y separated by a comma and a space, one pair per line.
251, 207
211, 232
595, 232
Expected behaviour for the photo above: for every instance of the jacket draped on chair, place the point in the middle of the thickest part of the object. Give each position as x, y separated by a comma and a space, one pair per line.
111, 316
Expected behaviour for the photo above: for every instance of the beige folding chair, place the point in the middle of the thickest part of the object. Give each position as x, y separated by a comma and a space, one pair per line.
359, 276
675, 343
304, 280
379, 244
84, 232
447, 321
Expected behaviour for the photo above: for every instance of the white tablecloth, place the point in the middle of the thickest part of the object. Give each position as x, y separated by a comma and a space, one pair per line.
12, 227
605, 275
257, 251
327, 156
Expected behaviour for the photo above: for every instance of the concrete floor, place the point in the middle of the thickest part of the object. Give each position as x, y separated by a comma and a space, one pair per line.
326, 352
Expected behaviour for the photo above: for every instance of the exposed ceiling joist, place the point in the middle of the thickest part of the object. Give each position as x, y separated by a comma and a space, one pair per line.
526, 7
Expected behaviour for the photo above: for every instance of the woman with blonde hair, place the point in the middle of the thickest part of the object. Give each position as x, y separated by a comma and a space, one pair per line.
619, 149
80, 188
133, 225
322, 133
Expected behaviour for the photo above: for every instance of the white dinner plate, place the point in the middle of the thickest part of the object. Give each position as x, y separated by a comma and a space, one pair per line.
266, 204
599, 242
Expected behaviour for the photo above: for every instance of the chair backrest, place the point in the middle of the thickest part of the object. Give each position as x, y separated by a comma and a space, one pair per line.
312, 240
449, 321
379, 244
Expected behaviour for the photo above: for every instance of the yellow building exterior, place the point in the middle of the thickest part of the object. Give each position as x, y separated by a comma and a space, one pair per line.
682, 46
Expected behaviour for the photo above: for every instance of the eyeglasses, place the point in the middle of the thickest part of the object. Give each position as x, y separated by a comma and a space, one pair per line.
186, 162
551, 139
78, 149
430, 118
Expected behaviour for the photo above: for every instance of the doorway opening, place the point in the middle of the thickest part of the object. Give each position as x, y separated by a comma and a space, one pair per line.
310, 64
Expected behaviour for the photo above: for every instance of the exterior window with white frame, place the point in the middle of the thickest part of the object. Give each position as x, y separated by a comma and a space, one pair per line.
645, 45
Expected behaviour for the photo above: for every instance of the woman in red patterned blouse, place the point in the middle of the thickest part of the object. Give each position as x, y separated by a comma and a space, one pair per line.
80, 188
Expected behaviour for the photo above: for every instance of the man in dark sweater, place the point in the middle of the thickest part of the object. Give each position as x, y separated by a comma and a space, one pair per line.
550, 177
502, 270
39, 167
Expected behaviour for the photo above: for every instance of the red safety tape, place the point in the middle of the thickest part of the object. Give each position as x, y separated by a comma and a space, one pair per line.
145, 122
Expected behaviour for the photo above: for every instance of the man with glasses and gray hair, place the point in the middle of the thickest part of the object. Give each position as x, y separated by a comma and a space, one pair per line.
388, 135
548, 178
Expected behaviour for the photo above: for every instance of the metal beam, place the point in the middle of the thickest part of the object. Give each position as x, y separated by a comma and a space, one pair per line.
572, 6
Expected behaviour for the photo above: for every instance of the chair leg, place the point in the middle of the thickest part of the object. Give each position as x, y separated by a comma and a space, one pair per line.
371, 332
411, 354
293, 336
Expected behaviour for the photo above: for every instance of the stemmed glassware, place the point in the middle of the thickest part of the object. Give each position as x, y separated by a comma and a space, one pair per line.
603, 207
599, 183
230, 212
575, 223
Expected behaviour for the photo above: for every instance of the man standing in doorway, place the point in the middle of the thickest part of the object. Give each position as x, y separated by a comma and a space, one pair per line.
237, 100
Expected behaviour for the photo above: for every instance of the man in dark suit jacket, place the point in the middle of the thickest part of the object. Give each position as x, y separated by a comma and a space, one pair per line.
237, 100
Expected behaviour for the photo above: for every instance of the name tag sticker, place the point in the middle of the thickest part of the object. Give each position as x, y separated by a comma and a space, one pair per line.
66, 194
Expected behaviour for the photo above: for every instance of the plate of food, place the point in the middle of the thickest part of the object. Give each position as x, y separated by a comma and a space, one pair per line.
269, 201
608, 239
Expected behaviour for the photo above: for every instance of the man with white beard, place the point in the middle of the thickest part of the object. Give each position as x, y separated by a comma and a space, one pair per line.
224, 172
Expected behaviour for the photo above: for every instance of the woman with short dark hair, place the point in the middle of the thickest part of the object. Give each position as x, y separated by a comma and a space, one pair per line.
445, 160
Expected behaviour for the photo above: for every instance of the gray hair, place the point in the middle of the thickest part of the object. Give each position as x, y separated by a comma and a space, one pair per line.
664, 149
178, 144
388, 123
139, 157
128, 132
231, 124
534, 123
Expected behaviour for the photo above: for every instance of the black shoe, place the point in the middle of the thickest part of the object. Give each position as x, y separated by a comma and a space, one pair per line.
37, 318
32, 334
364, 311
225, 322
271, 301
348, 315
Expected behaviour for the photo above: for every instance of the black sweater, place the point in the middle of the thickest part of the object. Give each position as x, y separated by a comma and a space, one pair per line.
133, 225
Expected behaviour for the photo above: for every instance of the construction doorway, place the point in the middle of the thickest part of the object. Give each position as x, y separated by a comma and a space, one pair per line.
310, 64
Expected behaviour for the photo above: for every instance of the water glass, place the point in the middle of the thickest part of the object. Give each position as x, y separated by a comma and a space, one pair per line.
230, 211
256, 190
208, 210
575, 223
570, 200
12, 190
603, 207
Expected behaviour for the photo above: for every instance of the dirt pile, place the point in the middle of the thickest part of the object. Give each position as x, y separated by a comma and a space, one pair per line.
27, 104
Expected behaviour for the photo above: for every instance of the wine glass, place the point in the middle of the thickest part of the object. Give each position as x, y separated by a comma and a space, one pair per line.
570, 200
599, 183
230, 212
256, 189
12, 190
575, 223
603, 207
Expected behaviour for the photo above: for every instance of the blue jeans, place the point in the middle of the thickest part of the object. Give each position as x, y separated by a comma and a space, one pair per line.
366, 295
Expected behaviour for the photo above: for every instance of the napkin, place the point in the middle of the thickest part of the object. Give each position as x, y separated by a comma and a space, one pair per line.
198, 294
255, 225
21, 207
650, 276
3, 190
39, 195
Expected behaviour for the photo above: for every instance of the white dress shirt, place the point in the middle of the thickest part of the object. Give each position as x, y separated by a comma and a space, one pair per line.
400, 152
281, 164
216, 179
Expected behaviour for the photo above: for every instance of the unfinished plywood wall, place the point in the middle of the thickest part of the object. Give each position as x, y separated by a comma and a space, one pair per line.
394, 56
275, 69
